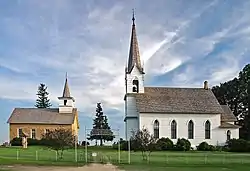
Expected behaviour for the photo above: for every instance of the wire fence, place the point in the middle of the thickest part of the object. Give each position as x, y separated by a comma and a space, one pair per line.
111, 156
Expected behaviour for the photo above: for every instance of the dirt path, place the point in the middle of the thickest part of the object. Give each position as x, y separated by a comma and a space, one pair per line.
92, 167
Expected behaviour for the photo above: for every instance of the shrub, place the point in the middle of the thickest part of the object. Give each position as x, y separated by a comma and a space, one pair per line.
33, 142
182, 145
204, 146
16, 142
164, 144
84, 143
238, 145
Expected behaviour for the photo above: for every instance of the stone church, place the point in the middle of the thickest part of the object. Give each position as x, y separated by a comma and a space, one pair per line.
190, 113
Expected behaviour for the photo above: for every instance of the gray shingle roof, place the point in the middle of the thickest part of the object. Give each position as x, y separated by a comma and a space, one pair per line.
177, 100
227, 115
41, 116
228, 125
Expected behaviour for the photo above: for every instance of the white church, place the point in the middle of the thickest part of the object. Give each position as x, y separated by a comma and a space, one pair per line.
190, 113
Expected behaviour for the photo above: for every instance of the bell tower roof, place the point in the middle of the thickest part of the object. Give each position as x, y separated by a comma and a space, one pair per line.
66, 92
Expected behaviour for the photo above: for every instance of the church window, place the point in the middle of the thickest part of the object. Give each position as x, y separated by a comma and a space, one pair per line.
173, 129
20, 132
136, 85
228, 135
207, 130
33, 134
156, 129
65, 102
191, 130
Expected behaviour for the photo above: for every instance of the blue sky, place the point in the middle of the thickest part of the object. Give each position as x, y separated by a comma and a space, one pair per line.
182, 43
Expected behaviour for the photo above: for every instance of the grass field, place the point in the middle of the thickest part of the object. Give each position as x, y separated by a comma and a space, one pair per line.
173, 161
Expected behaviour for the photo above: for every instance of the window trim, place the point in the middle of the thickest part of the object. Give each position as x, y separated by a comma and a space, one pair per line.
208, 130
156, 127
173, 136
192, 130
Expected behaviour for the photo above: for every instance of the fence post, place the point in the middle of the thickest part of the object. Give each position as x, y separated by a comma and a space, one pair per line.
205, 158
224, 158
17, 155
36, 155
56, 155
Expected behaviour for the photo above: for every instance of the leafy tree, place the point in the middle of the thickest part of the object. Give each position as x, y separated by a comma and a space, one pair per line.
244, 79
101, 129
236, 94
143, 141
42, 101
59, 140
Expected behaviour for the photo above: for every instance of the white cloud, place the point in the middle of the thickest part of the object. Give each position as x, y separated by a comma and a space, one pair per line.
93, 48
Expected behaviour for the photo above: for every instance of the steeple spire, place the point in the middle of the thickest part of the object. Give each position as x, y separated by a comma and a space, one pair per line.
66, 92
134, 54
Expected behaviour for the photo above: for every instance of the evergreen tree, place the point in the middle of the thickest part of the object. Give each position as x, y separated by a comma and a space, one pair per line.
101, 129
42, 101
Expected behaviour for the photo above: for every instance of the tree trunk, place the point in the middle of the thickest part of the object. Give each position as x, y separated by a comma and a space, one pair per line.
101, 142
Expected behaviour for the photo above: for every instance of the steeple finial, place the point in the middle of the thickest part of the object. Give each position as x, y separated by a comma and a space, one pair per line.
133, 18
66, 76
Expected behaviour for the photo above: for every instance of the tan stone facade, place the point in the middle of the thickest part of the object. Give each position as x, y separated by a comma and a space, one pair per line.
40, 129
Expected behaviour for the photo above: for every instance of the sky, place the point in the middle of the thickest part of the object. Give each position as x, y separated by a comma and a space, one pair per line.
182, 44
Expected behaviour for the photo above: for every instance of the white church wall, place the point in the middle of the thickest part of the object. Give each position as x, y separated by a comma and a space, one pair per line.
132, 124
131, 115
131, 109
130, 77
217, 134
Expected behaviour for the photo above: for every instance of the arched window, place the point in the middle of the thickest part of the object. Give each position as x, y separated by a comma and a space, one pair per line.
228, 135
173, 129
156, 129
135, 85
190, 129
207, 130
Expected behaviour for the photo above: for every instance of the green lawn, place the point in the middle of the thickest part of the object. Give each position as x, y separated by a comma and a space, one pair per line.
176, 161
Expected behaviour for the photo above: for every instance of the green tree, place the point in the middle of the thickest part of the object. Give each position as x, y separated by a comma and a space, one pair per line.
236, 94
143, 141
244, 79
59, 140
101, 129
42, 100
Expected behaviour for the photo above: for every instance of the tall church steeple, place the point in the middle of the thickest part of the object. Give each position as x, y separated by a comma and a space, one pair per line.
134, 72
134, 53
67, 102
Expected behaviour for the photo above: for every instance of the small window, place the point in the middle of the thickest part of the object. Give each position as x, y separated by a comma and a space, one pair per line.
135, 86
33, 134
156, 129
20, 133
173, 129
65, 102
207, 130
228, 135
191, 130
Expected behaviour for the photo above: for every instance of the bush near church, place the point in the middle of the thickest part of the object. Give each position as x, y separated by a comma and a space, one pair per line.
204, 146
164, 144
238, 145
18, 141
182, 145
